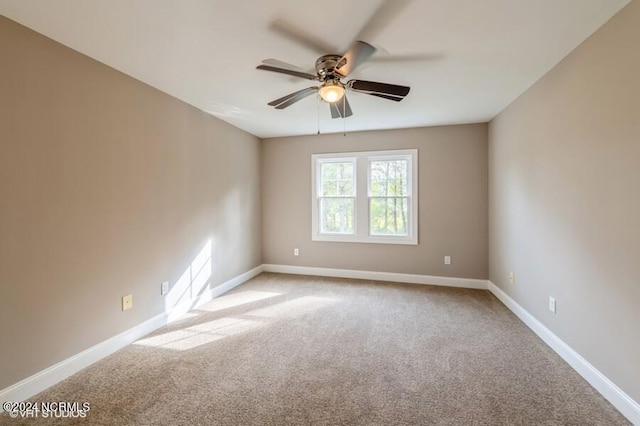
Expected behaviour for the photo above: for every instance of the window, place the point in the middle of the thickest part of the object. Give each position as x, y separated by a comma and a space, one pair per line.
367, 197
337, 197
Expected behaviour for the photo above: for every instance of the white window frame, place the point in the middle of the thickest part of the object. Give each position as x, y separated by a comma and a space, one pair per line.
362, 215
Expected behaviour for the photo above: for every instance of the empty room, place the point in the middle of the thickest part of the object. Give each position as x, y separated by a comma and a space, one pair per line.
357, 212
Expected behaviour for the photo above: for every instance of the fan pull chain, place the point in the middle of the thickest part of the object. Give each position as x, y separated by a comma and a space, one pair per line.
318, 113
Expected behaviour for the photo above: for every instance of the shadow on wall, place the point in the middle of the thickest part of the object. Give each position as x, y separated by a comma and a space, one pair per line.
235, 236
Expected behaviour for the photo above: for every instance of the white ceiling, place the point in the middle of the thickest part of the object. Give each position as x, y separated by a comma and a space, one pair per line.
476, 56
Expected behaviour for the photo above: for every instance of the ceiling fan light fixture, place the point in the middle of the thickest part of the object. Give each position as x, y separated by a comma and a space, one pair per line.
331, 92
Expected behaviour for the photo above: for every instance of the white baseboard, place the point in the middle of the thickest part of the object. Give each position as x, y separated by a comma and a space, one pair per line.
50, 376
616, 396
56, 373
378, 276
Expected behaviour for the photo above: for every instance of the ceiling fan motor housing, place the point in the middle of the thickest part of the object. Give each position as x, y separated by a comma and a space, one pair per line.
325, 66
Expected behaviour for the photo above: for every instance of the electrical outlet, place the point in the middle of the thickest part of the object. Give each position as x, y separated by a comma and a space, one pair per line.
447, 260
164, 289
127, 302
552, 304
296, 252
512, 278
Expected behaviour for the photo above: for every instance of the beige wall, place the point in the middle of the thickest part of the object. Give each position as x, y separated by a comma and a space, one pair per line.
452, 202
565, 202
107, 187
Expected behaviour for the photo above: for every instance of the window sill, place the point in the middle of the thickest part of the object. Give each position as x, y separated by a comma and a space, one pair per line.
366, 240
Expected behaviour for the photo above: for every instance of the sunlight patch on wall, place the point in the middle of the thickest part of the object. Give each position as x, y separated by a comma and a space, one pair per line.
192, 281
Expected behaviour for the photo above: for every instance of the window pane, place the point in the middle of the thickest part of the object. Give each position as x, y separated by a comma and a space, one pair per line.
336, 215
388, 216
337, 179
388, 178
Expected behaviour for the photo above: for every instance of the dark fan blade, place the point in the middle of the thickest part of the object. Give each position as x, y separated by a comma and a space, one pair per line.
288, 72
299, 36
373, 86
382, 95
292, 98
383, 15
342, 107
357, 54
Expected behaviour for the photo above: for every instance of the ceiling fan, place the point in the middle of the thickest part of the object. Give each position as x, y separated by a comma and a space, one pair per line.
332, 69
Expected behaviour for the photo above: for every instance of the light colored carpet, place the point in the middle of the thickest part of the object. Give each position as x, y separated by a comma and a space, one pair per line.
282, 350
